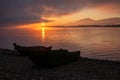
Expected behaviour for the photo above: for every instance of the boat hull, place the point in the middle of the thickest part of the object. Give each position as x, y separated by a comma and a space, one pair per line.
44, 56
54, 59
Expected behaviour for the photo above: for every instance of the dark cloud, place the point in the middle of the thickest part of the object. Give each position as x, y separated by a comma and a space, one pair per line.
20, 20
31, 11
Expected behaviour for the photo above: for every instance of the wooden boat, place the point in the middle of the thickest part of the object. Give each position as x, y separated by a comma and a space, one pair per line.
45, 56
24, 51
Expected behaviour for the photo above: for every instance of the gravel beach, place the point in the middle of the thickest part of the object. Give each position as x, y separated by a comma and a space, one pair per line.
14, 67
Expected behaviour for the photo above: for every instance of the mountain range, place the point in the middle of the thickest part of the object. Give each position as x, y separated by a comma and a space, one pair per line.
89, 21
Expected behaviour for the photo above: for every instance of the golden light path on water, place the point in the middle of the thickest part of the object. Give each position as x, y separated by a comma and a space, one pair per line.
43, 31
39, 31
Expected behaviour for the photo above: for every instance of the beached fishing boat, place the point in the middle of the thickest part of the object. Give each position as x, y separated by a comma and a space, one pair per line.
45, 56
26, 50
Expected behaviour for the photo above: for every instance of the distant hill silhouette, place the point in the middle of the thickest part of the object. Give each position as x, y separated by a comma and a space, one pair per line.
89, 21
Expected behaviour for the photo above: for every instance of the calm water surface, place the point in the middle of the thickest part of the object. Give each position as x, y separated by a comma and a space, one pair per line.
101, 43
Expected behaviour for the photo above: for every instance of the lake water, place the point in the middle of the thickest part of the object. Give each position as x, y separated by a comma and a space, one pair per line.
100, 43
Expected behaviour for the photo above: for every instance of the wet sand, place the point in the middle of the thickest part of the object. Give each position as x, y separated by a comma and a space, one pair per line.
14, 67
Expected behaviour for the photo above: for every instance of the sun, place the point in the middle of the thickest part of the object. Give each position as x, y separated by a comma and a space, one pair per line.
43, 24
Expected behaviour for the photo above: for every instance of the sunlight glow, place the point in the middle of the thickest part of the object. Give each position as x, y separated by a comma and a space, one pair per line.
43, 24
95, 14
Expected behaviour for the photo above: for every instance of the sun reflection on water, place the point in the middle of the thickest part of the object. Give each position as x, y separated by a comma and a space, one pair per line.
43, 31
40, 30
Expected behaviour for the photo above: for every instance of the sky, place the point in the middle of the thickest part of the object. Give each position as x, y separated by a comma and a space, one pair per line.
55, 12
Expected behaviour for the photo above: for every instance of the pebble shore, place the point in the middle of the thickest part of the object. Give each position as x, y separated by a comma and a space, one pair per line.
14, 67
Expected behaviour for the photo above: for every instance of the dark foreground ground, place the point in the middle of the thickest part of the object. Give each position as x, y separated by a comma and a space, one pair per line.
13, 67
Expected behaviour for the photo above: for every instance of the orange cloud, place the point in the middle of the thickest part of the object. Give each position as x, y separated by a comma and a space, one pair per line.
21, 12
109, 8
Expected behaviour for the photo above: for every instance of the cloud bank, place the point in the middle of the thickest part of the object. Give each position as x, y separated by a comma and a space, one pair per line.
17, 12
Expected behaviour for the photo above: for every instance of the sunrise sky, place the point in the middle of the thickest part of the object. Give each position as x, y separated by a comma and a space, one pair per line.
55, 12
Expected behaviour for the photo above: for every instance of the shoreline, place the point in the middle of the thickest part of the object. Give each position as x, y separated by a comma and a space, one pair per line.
21, 68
